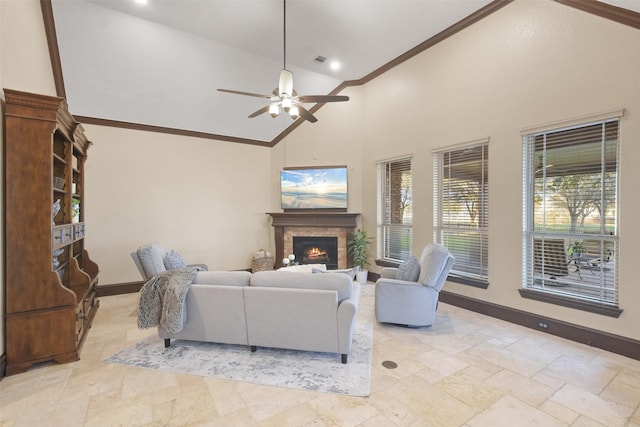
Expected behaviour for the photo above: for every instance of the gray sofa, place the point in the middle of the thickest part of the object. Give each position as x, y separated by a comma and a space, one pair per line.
299, 311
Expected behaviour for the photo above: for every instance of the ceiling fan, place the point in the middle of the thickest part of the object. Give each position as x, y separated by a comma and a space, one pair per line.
284, 96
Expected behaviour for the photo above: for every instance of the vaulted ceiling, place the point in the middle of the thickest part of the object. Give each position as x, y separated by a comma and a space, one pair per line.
159, 65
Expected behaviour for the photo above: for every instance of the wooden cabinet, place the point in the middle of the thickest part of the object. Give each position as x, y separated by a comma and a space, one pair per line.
50, 298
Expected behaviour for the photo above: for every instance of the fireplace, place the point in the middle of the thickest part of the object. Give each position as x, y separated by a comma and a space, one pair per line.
316, 250
336, 225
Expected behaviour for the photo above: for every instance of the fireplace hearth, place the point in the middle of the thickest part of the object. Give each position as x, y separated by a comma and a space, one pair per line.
316, 250
338, 225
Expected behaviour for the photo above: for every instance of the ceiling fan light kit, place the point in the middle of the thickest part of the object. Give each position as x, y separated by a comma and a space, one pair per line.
285, 96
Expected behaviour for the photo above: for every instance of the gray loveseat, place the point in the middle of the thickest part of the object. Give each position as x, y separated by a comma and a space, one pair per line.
299, 311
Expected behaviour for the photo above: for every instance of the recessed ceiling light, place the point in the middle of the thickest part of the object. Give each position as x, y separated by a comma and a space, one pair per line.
141, 1
335, 65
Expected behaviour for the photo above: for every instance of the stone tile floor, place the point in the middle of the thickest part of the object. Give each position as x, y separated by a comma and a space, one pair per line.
466, 370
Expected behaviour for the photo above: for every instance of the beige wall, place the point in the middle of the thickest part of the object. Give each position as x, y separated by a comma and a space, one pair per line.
205, 199
530, 63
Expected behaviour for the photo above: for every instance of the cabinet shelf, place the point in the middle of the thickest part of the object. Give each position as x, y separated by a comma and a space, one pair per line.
59, 159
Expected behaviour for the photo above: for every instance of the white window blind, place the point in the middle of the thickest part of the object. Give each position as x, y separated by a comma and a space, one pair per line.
461, 208
570, 208
395, 213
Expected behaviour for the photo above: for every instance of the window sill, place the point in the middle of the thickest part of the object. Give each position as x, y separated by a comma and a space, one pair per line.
591, 307
468, 281
387, 263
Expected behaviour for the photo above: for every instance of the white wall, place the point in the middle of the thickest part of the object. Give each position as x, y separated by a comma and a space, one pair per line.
531, 62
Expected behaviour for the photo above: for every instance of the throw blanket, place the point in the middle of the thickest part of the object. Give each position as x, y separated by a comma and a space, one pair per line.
162, 299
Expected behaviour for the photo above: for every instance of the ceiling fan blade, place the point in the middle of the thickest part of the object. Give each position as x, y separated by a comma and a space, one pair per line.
323, 98
237, 92
305, 114
260, 111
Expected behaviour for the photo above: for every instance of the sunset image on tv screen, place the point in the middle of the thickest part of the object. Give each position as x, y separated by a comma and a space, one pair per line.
322, 188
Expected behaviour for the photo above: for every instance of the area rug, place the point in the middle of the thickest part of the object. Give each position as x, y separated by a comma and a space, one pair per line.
303, 370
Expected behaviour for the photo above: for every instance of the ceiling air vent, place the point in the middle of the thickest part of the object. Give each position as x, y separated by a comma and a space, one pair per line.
319, 59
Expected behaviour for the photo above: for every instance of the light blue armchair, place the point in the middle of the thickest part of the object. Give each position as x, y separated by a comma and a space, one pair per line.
410, 302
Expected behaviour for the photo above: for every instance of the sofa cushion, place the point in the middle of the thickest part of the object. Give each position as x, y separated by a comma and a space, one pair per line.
409, 270
351, 272
432, 262
223, 278
340, 283
152, 259
173, 260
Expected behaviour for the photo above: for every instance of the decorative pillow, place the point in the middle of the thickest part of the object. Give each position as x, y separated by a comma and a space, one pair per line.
173, 260
409, 270
351, 272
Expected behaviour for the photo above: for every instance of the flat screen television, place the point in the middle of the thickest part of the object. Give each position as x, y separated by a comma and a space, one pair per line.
314, 188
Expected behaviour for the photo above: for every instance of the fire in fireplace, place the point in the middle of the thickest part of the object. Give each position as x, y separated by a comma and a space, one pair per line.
316, 250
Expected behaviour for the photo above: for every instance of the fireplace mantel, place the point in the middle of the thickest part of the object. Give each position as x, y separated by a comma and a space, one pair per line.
315, 219
284, 222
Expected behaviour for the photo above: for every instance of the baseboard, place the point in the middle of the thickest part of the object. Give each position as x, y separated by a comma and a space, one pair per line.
614, 343
118, 289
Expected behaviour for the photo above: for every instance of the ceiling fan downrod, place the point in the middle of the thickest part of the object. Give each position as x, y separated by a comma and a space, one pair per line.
285, 84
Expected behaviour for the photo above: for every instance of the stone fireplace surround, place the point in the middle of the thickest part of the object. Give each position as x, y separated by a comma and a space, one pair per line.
312, 224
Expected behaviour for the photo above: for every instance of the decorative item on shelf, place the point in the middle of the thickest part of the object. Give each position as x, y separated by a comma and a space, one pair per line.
289, 261
359, 248
292, 260
55, 209
58, 183
56, 254
75, 210
74, 187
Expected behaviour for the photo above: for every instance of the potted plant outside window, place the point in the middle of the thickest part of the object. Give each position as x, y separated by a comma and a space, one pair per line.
358, 246
576, 248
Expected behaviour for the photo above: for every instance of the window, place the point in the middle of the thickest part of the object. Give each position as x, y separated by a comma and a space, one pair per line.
461, 209
570, 214
395, 213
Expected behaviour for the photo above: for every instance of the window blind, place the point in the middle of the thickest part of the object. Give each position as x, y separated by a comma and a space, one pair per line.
570, 208
394, 207
461, 208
